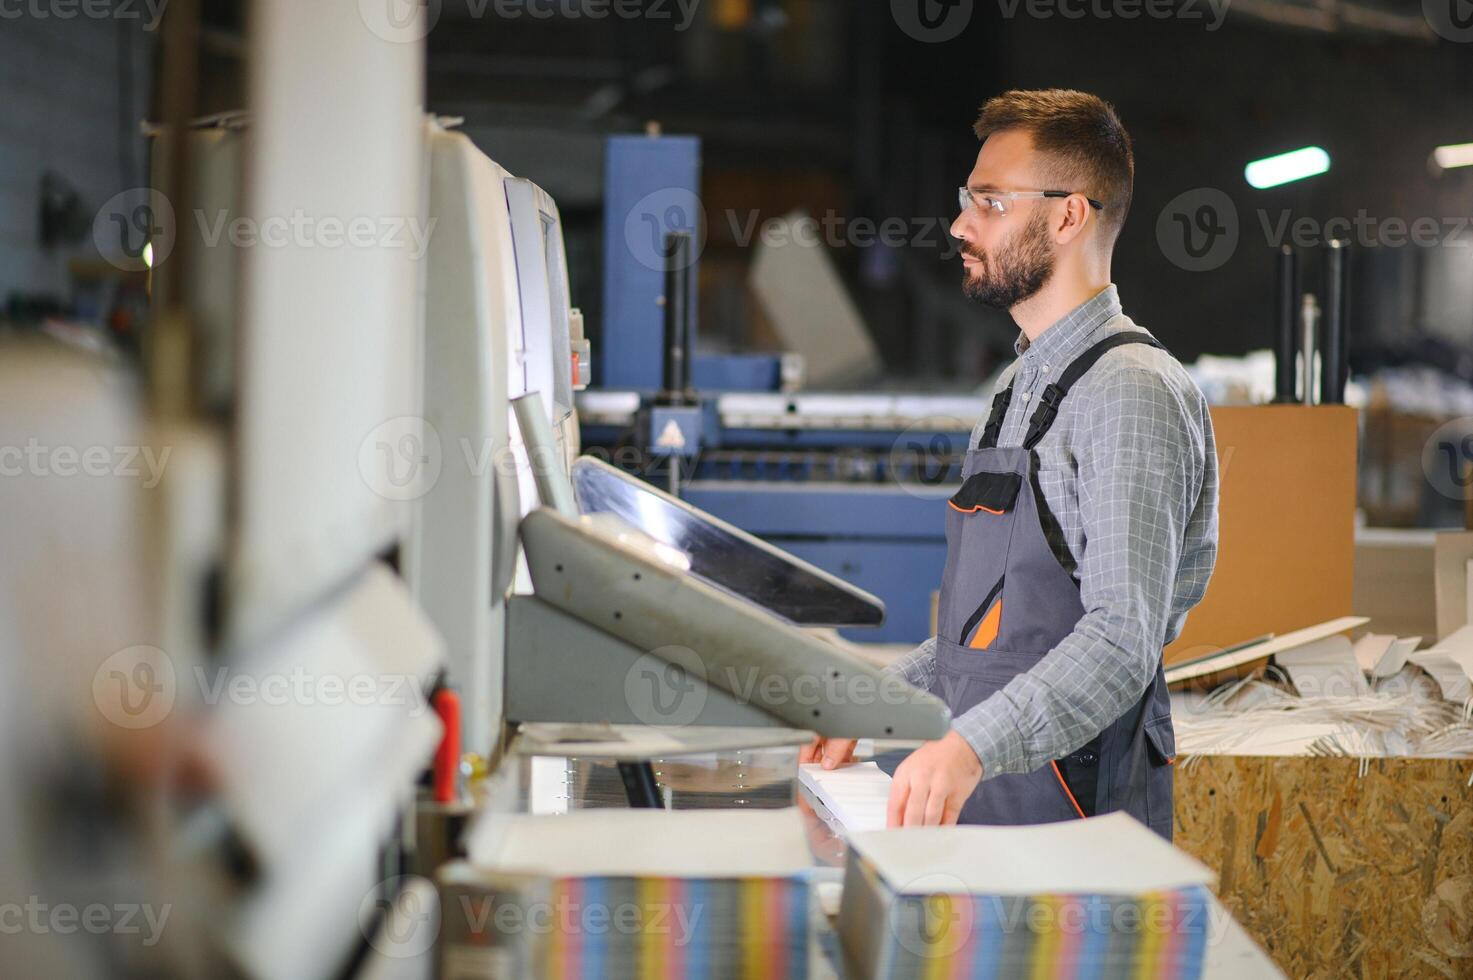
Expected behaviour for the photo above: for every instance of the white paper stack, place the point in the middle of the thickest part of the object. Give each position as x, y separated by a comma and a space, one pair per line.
857, 795
1103, 897
630, 893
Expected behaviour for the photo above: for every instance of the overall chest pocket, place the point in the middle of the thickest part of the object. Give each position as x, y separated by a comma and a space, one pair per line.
992, 493
979, 525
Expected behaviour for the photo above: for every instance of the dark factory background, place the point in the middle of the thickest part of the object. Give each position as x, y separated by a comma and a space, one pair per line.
851, 108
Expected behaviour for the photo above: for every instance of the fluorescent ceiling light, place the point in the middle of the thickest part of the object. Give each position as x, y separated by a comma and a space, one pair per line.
1456, 155
1286, 167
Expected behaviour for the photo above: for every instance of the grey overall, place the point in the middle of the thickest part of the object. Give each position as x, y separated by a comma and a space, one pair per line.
1006, 601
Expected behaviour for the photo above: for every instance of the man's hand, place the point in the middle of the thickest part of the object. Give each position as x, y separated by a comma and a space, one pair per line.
933, 783
832, 752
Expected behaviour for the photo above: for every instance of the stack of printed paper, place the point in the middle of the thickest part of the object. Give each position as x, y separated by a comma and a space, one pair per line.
630, 893
1103, 897
856, 795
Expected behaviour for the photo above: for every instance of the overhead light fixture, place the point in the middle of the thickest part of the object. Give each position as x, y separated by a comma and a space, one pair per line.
1453, 155
1287, 167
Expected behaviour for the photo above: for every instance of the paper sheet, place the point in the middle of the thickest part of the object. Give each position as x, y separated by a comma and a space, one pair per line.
1109, 854
1282, 738
856, 795
1450, 663
648, 843
1324, 668
1238, 656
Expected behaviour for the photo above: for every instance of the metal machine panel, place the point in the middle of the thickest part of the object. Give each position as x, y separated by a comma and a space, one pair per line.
330, 312
463, 555
650, 189
614, 577
724, 555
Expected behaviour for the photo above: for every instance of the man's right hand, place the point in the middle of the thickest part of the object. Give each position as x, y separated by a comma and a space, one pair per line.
832, 752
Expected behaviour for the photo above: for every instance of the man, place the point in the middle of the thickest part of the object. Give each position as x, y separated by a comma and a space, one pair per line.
1086, 524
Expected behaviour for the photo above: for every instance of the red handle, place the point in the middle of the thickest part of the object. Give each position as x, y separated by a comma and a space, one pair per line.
447, 756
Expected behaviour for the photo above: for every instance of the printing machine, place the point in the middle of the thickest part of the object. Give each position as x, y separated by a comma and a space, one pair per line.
374, 474
853, 482
621, 580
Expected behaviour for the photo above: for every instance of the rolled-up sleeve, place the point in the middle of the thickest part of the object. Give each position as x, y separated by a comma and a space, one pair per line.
1141, 464
918, 667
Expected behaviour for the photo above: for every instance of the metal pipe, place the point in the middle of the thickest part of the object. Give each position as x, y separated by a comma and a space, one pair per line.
1309, 318
1334, 359
677, 317
1286, 297
544, 454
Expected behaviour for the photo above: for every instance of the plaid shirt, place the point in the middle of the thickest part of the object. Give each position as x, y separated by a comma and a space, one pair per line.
1129, 480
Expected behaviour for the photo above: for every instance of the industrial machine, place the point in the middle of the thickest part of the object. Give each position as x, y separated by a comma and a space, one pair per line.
625, 586
853, 482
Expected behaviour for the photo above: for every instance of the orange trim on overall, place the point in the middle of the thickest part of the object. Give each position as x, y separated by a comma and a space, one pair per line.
987, 629
973, 510
1067, 792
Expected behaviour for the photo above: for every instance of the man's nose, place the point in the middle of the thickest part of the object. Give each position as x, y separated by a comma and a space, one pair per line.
959, 229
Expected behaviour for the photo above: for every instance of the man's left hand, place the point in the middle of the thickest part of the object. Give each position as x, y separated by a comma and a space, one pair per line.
933, 783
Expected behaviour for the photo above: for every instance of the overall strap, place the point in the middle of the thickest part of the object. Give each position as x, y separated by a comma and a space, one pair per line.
994, 421
1053, 394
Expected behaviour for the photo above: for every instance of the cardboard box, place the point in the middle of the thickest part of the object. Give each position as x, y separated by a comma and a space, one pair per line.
1286, 525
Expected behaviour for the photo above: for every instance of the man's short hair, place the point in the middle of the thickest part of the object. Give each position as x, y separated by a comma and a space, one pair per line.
1084, 145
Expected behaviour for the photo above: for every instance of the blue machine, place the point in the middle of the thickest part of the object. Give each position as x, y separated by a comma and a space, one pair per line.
854, 483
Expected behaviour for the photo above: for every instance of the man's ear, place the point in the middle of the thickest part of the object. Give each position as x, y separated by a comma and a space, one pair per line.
1075, 217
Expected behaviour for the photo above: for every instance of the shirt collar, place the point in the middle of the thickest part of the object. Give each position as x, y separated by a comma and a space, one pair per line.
1059, 336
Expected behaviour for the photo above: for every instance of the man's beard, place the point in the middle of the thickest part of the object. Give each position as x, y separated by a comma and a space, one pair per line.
1022, 267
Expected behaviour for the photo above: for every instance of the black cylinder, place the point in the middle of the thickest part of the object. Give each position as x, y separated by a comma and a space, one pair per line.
1334, 356
1286, 332
677, 316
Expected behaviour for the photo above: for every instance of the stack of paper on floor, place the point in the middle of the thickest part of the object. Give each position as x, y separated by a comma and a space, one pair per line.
857, 795
1103, 897
630, 893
